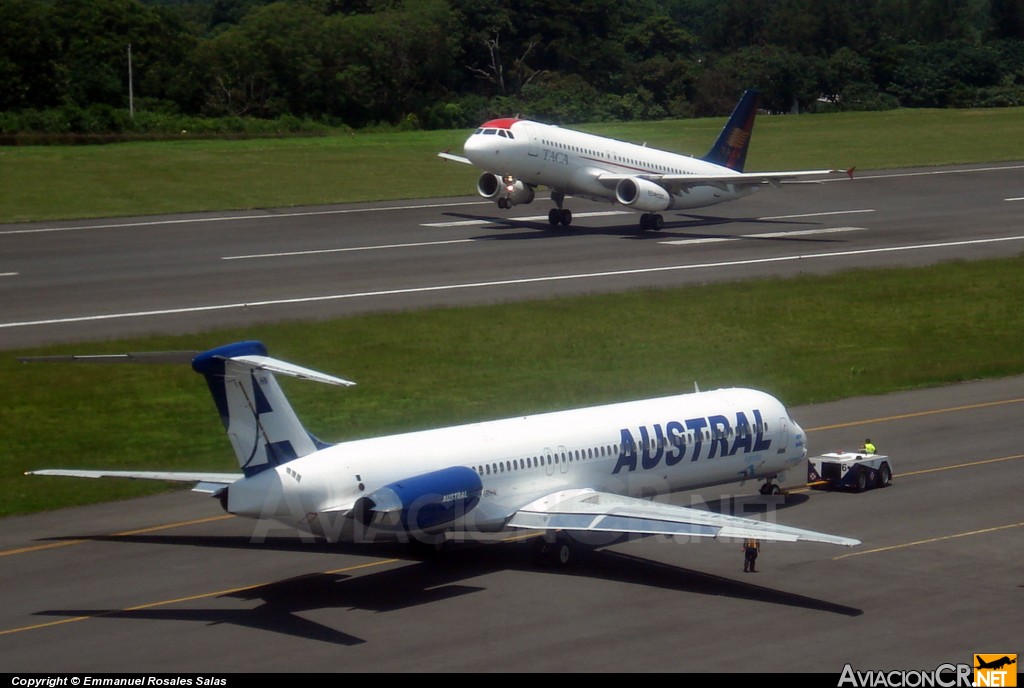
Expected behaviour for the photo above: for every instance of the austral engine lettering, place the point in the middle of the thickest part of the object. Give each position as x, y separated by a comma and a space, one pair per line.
680, 440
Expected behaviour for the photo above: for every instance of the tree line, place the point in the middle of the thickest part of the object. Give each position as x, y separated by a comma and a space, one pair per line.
298, 64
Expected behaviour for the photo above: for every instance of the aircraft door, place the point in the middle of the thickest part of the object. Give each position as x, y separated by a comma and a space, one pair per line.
783, 435
549, 459
533, 156
563, 458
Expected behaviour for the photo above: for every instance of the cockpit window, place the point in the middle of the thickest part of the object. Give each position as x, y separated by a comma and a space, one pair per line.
501, 133
479, 131
489, 132
509, 133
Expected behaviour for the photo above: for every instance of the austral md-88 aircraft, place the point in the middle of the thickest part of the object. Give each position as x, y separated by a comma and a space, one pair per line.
517, 156
561, 473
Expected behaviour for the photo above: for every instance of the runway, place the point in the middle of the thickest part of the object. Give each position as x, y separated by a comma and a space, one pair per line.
73, 281
172, 584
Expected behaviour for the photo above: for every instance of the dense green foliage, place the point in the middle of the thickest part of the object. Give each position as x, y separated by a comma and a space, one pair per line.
451, 63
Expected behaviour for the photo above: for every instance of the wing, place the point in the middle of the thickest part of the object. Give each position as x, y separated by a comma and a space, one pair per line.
681, 182
456, 158
588, 510
209, 483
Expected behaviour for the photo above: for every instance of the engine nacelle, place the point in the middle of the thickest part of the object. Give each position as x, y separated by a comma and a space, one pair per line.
642, 194
422, 502
505, 192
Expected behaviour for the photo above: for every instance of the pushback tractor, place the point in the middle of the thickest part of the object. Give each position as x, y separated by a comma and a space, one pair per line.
856, 471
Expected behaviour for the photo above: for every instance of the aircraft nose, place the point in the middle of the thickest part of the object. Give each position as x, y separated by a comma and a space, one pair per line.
485, 150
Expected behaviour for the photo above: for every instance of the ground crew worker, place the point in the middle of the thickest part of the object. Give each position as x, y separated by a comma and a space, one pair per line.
750, 549
868, 448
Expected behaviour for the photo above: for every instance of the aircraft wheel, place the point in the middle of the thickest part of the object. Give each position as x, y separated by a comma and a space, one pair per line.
557, 553
657, 222
884, 475
645, 222
566, 217
503, 203
554, 217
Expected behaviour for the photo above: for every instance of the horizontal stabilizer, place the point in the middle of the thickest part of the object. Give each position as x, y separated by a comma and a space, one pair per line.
274, 365
587, 510
210, 479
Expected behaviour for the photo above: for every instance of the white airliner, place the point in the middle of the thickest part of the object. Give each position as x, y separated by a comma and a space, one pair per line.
564, 473
518, 155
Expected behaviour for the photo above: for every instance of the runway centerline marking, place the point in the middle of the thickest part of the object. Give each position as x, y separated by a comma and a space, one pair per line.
311, 252
763, 235
188, 598
527, 218
503, 283
824, 214
237, 218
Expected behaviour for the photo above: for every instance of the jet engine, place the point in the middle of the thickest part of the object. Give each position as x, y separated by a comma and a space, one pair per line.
505, 191
642, 194
422, 502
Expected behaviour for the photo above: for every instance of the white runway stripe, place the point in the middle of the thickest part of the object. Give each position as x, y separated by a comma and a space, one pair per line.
506, 282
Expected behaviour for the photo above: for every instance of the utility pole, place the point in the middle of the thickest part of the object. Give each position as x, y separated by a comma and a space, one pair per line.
131, 94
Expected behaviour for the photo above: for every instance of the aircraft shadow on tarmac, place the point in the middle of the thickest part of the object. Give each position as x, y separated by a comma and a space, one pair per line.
541, 229
447, 575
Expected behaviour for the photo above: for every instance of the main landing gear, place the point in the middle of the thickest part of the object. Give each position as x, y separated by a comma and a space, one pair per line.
554, 549
651, 221
559, 216
770, 488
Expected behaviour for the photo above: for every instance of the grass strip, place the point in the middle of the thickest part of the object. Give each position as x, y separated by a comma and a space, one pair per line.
805, 339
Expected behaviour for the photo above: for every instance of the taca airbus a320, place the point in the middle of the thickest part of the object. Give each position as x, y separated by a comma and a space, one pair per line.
563, 473
518, 155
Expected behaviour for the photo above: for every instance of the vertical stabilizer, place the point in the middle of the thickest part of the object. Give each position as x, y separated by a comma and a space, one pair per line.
730, 150
260, 422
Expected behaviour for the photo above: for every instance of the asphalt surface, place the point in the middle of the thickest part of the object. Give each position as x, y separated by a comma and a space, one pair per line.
72, 281
172, 584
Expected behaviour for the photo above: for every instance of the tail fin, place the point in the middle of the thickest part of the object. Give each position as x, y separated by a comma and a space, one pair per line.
260, 422
730, 150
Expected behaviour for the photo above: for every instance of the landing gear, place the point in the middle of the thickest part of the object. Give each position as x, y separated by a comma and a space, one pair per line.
651, 221
770, 488
559, 216
554, 550
504, 204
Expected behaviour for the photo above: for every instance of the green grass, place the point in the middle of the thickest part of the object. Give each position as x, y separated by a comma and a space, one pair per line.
805, 339
60, 182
